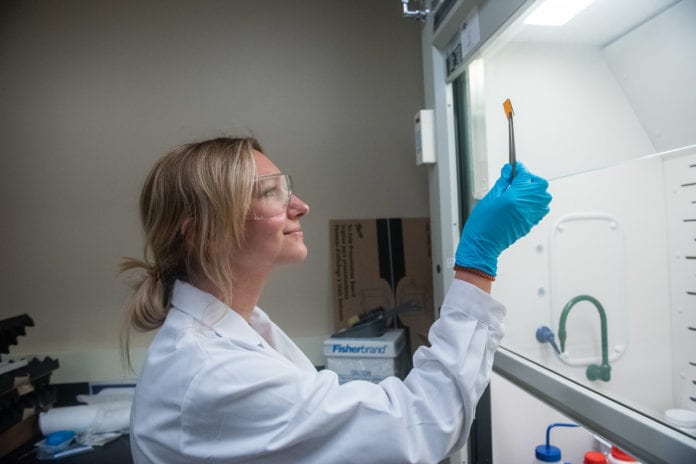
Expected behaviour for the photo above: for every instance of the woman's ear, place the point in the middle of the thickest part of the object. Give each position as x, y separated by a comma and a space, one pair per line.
187, 233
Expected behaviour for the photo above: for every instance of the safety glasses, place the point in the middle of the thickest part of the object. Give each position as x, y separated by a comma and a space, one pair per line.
271, 195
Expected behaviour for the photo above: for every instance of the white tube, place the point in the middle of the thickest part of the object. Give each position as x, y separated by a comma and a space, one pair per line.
100, 418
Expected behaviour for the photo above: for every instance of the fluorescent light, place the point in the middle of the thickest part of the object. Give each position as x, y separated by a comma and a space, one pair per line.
556, 12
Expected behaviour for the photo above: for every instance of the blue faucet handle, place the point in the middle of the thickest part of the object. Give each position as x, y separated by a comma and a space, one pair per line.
545, 335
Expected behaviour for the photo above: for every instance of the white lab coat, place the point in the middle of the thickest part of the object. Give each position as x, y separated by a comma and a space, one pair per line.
217, 389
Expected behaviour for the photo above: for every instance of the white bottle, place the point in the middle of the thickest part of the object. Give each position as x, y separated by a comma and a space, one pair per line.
683, 419
616, 456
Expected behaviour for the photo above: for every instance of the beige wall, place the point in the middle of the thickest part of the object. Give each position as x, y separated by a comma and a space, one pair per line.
92, 92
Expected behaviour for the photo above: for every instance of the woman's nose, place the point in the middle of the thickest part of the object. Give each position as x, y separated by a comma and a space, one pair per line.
297, 207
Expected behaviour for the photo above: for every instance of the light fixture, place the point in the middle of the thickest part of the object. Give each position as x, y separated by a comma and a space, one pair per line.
556, 12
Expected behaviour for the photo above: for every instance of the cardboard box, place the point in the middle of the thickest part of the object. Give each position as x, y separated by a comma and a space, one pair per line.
20, 434
383, 262
371, 359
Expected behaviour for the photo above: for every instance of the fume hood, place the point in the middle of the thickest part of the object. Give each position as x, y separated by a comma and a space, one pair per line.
605, 106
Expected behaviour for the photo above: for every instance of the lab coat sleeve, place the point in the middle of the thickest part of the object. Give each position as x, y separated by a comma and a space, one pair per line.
262, 410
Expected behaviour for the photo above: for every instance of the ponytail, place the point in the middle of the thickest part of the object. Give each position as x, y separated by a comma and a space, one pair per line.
149, 303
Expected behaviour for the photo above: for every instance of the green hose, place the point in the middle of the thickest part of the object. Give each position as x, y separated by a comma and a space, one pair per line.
594, 372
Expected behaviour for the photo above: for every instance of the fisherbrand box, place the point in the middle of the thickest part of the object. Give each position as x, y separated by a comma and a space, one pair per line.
383, 263
372, 359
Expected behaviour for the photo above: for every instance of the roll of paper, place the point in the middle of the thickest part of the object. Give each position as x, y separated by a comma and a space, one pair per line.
110, 417
108, 395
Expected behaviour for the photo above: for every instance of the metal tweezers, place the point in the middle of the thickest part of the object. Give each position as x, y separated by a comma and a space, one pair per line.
507, 105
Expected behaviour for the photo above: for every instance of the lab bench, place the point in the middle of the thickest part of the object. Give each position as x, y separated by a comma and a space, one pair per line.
114, 452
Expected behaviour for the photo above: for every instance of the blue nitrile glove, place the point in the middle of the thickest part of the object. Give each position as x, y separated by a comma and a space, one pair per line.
506, 213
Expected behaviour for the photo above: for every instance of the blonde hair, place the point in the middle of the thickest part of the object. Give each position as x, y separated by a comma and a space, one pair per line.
193, 207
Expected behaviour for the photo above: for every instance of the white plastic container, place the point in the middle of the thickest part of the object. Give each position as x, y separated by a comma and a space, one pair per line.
371, 359
683, 419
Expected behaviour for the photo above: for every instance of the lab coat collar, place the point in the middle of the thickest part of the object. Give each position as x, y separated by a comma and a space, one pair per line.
213, 313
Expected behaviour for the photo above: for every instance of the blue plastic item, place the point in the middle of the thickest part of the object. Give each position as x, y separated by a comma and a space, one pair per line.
547, 452
59, 437
79, 449
59, 444
545, 335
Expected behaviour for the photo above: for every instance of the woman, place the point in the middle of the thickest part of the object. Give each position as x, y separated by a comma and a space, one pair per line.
222, 383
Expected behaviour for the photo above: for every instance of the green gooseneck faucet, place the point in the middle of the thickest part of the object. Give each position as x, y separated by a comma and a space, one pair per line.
594, 372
